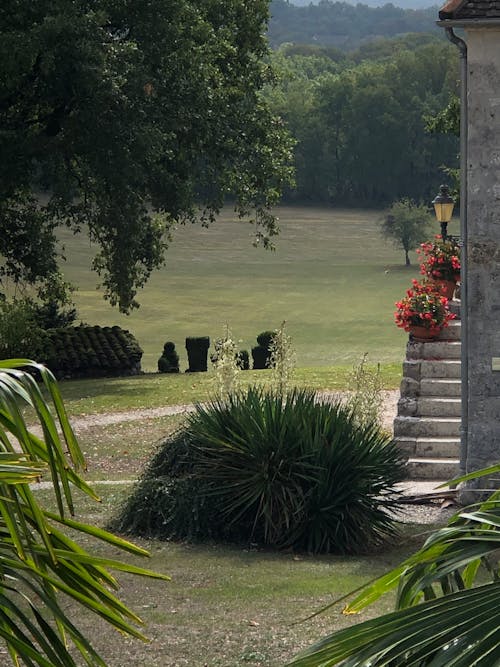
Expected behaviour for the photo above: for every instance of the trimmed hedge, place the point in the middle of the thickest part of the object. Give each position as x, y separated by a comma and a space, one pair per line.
197, 351
91, 351
169, 360
261, 353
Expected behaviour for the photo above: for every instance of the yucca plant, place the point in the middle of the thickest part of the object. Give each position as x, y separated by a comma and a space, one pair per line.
443, 617
40, 565
286, 470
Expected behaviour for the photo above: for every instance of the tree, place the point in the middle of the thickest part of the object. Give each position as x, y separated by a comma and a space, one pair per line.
131, 116
441, 618
41, 566
406, 225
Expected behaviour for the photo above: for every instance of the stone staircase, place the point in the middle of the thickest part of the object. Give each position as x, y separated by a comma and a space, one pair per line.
427, 426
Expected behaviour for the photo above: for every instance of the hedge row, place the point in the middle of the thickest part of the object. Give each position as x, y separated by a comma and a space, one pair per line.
91, 351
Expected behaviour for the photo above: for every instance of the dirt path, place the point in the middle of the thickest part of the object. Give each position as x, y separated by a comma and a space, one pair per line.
106, 418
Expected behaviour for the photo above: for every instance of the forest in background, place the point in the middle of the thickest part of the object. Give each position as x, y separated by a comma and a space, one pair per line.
345, 25
359, 118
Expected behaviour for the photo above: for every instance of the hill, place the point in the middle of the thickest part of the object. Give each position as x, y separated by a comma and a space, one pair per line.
344, 25
405, 4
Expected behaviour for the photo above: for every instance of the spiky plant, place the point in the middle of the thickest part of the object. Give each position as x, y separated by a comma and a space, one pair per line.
285, 470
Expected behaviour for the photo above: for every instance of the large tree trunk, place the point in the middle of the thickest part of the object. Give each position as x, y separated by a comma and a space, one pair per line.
407, 258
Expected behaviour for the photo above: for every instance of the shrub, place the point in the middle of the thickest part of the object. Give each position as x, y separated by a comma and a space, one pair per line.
260, 357
197, 351
265, 338
20, 334
86, 351
281, 470
261, 353
169, 360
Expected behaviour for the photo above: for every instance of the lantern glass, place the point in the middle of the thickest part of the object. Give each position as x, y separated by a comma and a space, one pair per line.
444, 211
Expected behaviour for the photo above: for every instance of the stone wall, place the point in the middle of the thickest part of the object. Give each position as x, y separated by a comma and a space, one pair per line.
483, 221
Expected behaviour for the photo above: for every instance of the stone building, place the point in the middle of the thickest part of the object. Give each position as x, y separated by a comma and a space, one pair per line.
474, 26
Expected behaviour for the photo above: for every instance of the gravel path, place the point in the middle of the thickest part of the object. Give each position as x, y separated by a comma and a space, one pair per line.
105, 418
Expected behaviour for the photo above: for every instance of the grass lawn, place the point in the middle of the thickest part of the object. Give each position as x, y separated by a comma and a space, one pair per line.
228, 606
332, 278
225, 606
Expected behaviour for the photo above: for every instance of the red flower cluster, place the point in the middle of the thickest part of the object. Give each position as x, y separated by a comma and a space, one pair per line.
423, 306
441, 259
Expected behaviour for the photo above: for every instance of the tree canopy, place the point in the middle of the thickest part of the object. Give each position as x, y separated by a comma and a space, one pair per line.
360, 119
131, 116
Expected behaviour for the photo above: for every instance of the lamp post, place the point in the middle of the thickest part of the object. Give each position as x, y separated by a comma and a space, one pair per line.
443, 206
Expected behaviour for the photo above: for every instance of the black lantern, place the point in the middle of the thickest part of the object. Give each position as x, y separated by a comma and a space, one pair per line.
443, 206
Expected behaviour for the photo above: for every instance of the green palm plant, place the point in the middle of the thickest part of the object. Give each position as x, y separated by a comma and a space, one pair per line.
40, 565
448, 611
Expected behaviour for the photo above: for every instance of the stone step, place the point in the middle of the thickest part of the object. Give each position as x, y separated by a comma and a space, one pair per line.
439, 349
446, 368
440, 387
433, 468
452, 331
436, 448
432, 406
429, 406
426, 427
418, 369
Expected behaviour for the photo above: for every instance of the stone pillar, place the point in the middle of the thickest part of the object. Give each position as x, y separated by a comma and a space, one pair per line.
483, 221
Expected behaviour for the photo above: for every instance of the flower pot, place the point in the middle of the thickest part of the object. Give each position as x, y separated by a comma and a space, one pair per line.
420, 334
446, 288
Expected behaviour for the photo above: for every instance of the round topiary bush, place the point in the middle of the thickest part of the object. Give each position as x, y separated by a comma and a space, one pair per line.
285, 471
265, 339
169, 360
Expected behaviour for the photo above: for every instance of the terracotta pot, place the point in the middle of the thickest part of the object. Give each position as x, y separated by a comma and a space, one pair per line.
422, 333
446, 288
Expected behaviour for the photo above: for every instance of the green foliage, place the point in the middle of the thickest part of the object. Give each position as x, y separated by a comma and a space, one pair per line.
447, 120
54, 306
359, 123
265, 339
365, 387
132, 117
20, 332
42, 568
197, 351
441, 617
282, 470
86, 351
169, 360
406, 224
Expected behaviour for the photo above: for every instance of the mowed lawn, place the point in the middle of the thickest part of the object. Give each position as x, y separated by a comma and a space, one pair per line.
333, 278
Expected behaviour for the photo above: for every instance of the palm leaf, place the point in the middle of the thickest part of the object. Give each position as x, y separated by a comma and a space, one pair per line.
34, 554
446, 631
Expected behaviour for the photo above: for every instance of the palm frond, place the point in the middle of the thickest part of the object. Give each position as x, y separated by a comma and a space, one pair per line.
35, 556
